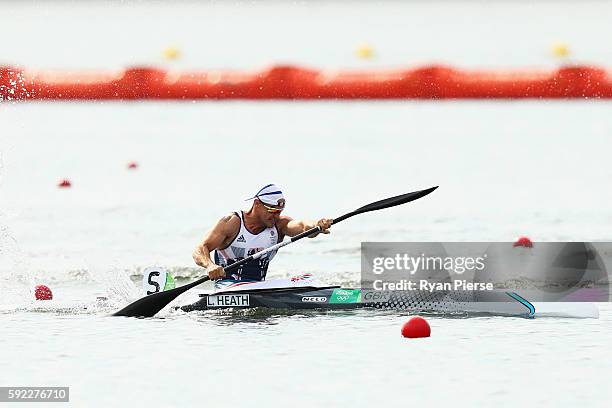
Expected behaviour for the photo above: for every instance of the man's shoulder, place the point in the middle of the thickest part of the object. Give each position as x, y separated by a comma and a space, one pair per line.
230, 221
229, 217
282, 222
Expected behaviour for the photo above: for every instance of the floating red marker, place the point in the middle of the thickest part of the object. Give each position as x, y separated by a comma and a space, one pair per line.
416, 327
523, 242
42, 292
132, 165
65, 183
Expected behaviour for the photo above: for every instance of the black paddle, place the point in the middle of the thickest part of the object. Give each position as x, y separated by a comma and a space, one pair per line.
148, 306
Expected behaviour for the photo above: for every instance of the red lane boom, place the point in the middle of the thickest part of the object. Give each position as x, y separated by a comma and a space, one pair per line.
290, 82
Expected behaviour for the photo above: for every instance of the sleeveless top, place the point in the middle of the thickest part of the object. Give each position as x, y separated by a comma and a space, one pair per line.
244, 244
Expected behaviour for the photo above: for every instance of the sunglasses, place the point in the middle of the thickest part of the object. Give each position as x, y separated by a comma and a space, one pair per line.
273, 210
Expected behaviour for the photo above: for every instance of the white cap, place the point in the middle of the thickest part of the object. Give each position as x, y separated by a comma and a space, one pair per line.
271, 195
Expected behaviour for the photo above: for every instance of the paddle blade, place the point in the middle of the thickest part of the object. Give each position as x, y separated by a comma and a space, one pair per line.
387, 202
148, 306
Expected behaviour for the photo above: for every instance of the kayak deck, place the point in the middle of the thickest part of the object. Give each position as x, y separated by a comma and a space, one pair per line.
330, 297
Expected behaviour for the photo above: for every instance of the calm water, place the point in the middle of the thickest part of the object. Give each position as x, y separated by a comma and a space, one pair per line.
357, 359
504, 168
534, 175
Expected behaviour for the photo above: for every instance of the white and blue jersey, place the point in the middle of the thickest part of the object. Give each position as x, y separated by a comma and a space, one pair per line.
244, 244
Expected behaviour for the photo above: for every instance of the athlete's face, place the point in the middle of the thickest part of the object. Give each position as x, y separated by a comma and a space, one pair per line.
268, 214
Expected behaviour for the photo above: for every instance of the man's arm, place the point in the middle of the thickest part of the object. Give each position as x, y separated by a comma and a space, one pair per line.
218, 237
291, 227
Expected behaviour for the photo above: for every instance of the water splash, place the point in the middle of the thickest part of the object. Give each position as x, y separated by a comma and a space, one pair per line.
16, 89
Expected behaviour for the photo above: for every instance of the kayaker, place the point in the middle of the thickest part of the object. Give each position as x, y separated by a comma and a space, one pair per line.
241, 234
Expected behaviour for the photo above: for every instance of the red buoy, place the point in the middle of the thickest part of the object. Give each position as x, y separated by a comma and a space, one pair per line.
65, 183
523, 242
42, 292
416, 327
132, 165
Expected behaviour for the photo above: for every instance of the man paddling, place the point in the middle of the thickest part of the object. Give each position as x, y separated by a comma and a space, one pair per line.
240, 234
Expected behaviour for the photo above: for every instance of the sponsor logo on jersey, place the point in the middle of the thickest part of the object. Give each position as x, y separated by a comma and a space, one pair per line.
314, 299
241, 239
227, 300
